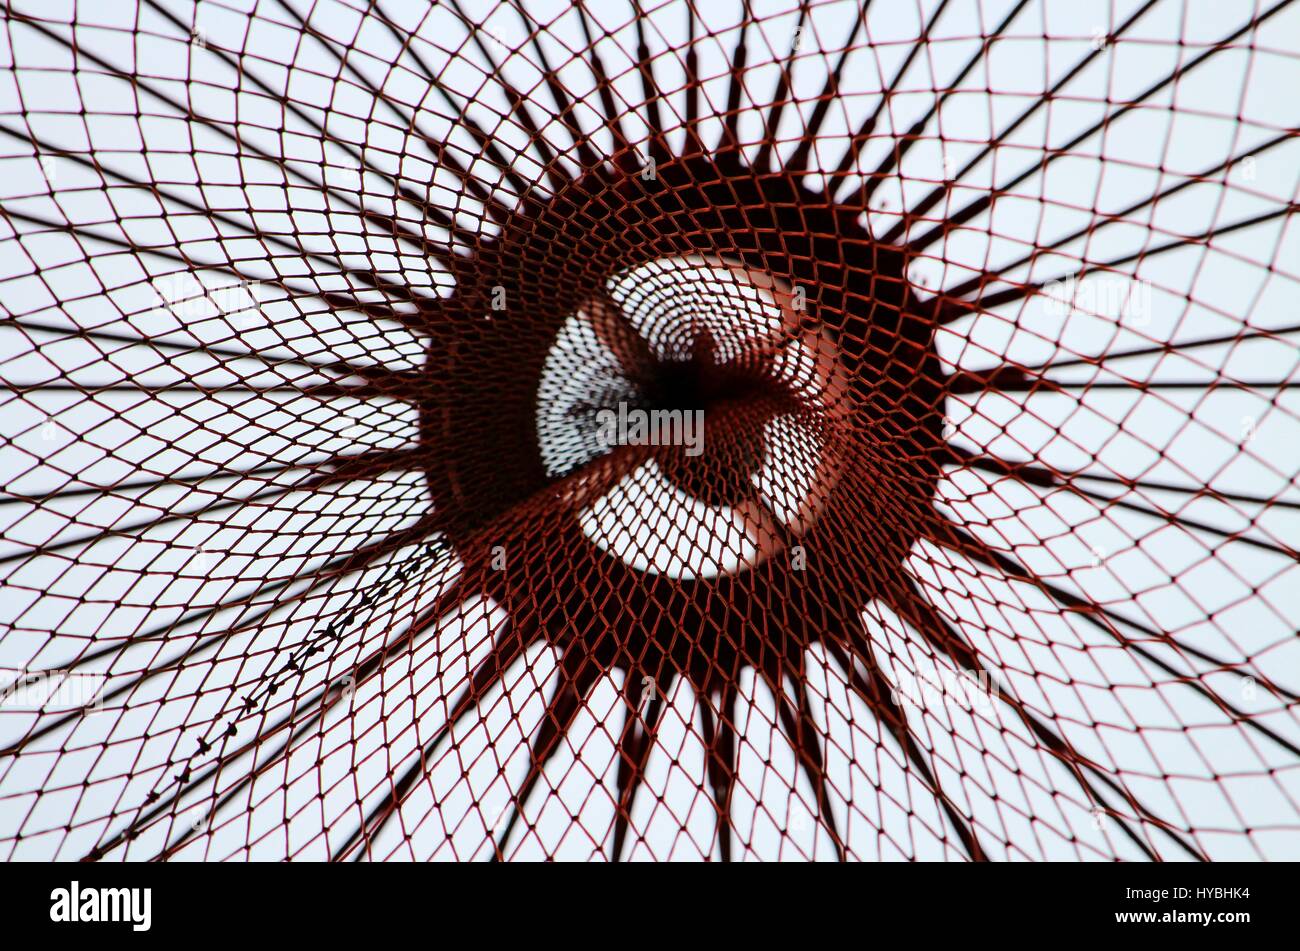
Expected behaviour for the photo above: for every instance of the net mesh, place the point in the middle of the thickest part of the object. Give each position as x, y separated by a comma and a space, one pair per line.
649, 430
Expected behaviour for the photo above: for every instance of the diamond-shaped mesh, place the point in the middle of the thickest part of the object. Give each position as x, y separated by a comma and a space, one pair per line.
649, 430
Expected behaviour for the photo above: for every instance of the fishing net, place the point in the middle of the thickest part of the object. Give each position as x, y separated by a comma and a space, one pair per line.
663, 430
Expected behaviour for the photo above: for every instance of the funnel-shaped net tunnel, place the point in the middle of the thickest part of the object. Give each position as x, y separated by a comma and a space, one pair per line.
764, 430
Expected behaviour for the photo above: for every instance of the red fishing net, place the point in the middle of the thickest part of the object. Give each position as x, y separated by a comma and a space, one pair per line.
649, 430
